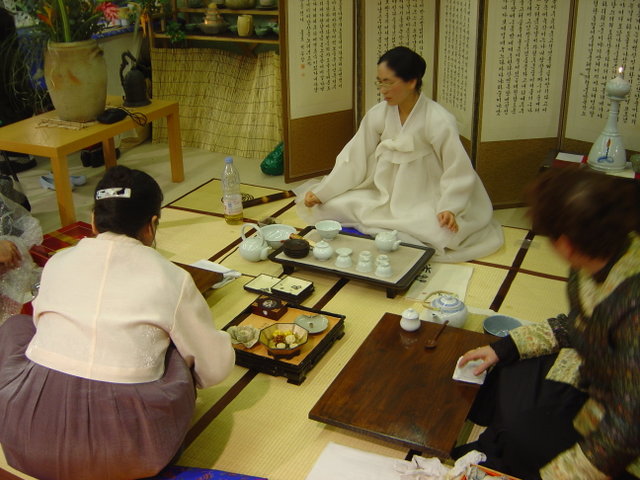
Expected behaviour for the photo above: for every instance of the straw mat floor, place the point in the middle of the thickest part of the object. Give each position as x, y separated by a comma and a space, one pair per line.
258, 424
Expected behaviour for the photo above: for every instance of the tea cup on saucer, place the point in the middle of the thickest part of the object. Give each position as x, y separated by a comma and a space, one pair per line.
344, 257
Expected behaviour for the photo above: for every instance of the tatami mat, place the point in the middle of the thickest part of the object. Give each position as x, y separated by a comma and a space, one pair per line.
535, 298
208, 198
541, 257
513, 238
264, 430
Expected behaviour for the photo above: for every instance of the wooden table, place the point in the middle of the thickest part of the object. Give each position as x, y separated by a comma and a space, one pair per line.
27, 136
395, 390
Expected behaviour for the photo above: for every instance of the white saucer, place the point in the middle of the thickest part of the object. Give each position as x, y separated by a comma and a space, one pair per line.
313, 323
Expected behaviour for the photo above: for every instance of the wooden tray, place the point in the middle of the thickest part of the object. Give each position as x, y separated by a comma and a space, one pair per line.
294, 369
407, 262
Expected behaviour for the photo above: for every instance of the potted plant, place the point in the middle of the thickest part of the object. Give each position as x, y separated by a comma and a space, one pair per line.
75, 70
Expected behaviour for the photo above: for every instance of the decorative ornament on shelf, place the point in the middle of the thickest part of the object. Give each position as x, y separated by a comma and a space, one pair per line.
607, 152
213, 21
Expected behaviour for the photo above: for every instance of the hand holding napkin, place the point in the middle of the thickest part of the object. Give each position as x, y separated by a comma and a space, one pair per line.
465, 374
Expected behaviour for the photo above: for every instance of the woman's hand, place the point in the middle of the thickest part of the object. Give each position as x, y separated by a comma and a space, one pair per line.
448, 220
486, 354
9, 255
311, 200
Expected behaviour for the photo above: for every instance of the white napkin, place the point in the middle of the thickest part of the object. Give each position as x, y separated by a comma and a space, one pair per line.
421, 468
441, 277
228, 275
465, 374
337, 462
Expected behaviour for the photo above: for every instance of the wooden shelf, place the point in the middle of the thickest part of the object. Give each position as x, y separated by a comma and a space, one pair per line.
228, 11
267, 39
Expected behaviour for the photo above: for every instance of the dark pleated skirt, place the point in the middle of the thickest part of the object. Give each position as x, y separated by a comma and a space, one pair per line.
58, 426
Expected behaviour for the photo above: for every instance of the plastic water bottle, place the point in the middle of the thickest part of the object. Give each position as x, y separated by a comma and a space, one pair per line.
231, 196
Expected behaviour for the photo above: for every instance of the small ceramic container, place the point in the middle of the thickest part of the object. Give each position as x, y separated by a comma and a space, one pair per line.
410, 320
383, 267
322, 251
365, 263
344, 257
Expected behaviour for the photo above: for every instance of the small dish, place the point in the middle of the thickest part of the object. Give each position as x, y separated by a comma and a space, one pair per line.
244, 334
500, 325
313, 323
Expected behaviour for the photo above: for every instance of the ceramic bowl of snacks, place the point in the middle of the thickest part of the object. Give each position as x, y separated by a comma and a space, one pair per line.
500, 325
276, 233
284, 339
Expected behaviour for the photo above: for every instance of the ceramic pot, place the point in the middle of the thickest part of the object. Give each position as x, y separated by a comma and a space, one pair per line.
410, 320
76, 77
446, 306
245, 25
387, 241
255, 248
322, 250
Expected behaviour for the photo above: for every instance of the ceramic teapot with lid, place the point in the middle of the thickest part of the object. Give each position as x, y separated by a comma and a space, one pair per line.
254, 248
387, 241
322, 250
445, 306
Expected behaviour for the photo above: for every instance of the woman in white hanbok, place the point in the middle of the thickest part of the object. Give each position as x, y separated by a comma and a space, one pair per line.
406, 170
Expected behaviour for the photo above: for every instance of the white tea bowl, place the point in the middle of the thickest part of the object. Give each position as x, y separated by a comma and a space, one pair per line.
328, 229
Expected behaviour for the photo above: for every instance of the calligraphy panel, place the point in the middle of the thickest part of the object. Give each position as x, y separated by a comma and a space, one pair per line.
523, 70
607, 37
320, 50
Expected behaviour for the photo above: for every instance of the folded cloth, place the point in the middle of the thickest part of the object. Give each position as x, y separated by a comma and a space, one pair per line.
441, 277
228, 274
76, 180
465, 374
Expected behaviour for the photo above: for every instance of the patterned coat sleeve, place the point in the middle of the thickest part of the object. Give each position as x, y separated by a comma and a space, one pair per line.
543, 338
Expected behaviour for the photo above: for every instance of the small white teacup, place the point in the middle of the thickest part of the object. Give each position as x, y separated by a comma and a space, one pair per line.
328, 229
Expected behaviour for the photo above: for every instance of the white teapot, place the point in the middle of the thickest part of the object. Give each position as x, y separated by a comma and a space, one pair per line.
446, 306
387, 241
254, 248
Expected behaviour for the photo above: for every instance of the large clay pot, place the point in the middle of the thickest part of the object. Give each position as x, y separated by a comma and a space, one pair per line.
76, 76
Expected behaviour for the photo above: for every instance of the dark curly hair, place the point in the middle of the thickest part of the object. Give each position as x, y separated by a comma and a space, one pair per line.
596, 212
127, 216
406, 64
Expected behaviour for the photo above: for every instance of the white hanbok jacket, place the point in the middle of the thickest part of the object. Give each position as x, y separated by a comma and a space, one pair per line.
399, 177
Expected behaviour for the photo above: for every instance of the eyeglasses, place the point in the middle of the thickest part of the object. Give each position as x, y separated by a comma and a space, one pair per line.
385, 85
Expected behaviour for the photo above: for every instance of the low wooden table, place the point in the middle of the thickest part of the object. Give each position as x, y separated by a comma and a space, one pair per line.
395, 390
56, 143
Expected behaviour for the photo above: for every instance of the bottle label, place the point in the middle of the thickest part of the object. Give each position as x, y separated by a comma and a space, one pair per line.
232, 204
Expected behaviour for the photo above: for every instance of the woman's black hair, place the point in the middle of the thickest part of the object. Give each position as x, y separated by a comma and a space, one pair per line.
595, 211
406, 64
123, 215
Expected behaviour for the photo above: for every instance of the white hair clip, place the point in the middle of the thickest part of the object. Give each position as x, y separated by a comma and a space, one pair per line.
116, 192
